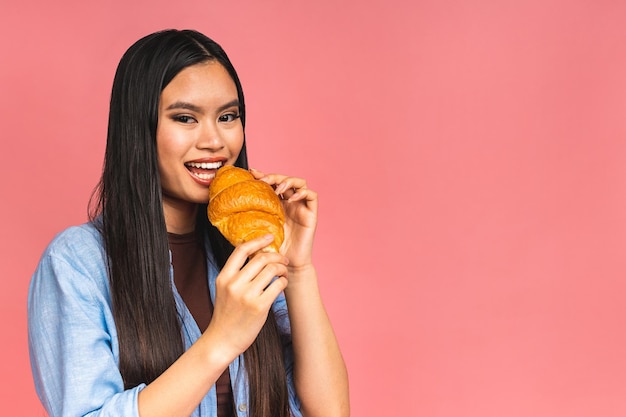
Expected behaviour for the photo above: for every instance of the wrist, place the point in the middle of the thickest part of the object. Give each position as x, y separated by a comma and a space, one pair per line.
216, 352
299, 271
301, 280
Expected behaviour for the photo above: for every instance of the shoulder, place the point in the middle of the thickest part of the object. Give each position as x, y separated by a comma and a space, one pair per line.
80, 247
74, 258
82, 240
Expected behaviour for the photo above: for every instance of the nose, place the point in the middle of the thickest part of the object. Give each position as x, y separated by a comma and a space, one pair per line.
210, 137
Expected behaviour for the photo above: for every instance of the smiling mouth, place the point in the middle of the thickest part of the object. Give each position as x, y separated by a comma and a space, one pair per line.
204, 170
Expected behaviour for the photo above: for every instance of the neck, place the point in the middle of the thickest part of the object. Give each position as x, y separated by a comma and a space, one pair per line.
180, 216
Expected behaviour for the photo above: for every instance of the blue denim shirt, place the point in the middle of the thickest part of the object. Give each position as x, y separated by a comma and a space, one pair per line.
73, 341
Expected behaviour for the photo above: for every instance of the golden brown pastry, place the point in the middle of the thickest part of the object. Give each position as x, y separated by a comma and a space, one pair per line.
243, 208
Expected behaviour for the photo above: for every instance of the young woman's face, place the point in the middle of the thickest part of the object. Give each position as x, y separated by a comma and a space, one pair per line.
198, 131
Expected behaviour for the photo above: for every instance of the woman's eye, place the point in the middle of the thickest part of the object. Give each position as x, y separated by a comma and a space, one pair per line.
184, 119
229, 117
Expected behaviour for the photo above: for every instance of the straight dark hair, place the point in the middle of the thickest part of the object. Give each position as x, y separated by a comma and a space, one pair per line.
127, 207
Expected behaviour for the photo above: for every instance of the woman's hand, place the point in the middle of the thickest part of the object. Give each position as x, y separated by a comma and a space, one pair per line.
244, 294
320, 375
300, 204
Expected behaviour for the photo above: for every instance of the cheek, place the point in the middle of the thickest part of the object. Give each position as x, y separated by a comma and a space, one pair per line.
235, 141
169, 145
168, 148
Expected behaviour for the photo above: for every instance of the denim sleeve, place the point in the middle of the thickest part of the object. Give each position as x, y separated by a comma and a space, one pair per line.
72, 341
282, 319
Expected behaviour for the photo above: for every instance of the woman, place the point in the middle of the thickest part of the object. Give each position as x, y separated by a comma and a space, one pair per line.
146, 310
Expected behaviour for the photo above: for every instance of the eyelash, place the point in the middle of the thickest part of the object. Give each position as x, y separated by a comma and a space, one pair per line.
183, 119
187, 119
234, 116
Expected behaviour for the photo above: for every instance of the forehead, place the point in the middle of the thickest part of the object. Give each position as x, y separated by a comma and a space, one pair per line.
201, 83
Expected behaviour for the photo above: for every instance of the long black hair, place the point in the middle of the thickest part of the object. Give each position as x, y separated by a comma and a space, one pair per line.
128, 201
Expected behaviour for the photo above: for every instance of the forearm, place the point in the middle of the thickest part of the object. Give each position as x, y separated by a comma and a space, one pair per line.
179, 390
320, 373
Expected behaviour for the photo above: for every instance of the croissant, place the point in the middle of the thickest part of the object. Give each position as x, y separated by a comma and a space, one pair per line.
243, 208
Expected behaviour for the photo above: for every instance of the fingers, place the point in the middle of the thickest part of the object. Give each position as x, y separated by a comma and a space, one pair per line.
280, 182
261, 269
256, 173
288, 188
244, 251
302, 194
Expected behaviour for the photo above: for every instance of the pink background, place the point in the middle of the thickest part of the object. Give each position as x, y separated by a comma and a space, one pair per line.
471, 162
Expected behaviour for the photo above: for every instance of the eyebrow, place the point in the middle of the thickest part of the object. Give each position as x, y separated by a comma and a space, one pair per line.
189, 106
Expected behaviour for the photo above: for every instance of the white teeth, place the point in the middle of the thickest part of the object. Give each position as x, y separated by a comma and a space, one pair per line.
204, 176
205, 165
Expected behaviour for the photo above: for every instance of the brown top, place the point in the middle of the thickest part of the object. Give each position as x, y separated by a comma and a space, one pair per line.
190, 277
